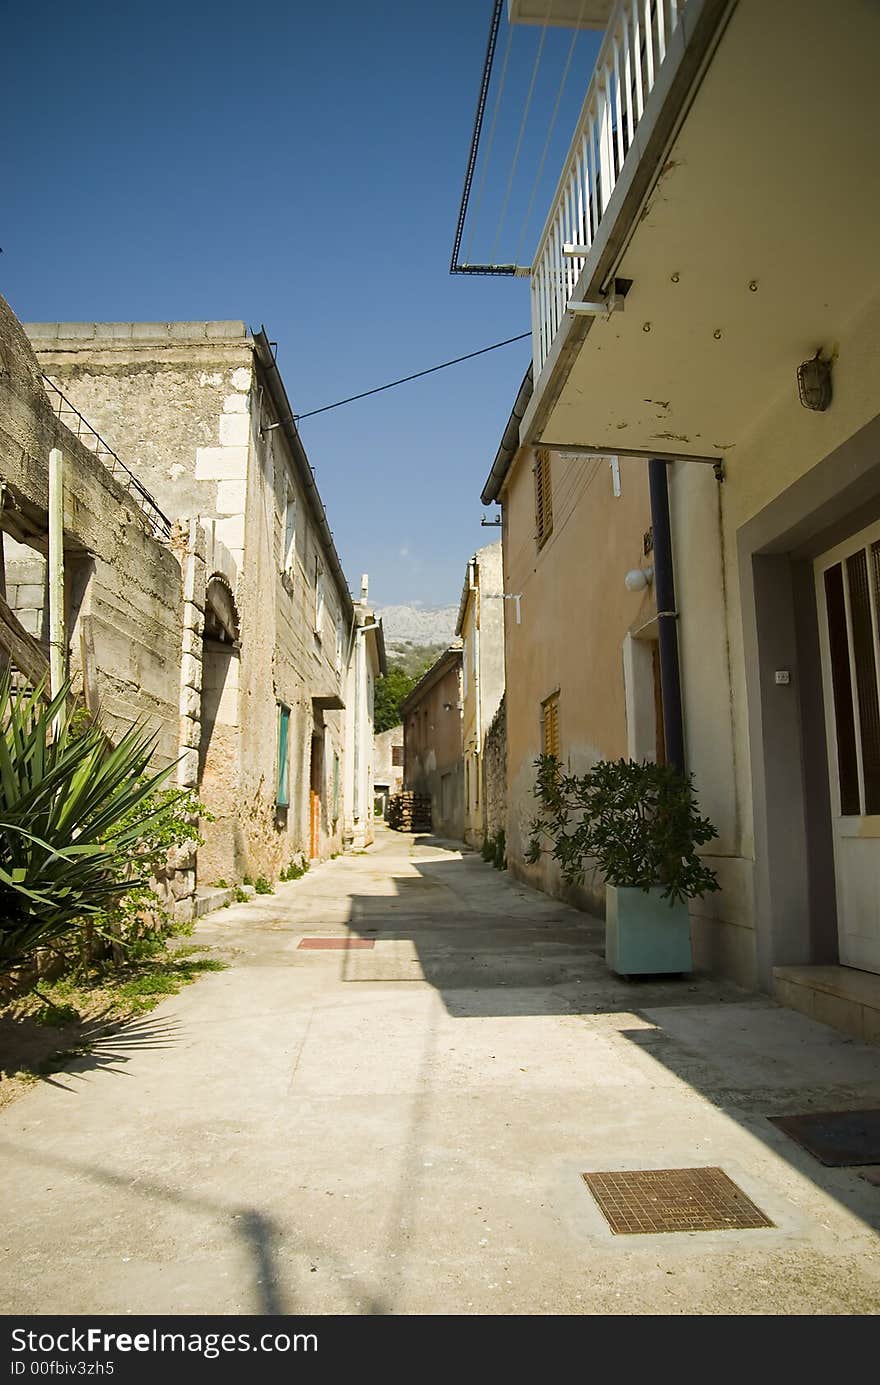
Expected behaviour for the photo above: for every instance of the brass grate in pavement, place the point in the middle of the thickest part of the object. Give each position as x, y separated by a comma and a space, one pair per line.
652, 1200
325, 944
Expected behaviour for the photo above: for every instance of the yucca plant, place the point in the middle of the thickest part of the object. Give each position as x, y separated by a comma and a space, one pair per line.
74, 809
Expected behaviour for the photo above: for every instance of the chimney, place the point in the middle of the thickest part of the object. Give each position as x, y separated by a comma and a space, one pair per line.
365, 587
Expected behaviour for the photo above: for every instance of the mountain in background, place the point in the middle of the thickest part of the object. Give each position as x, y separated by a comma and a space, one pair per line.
415, 627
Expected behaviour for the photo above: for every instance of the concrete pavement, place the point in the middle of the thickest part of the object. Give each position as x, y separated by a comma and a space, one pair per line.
402, 1128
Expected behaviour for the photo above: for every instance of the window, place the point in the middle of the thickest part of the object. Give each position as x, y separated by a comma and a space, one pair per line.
397, 756
550, 726
340, 636
319, 598
282, 797
543, 499
288, 557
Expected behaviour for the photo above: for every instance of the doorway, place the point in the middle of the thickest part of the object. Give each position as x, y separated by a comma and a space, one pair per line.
848, 598
316, 780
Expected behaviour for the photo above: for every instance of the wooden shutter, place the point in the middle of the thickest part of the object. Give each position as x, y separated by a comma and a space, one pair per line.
543, 498
550, 711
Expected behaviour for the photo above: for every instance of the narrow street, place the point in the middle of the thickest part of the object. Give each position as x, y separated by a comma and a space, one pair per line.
402, 1127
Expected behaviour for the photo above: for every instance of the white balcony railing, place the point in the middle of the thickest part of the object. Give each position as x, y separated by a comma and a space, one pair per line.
632, 53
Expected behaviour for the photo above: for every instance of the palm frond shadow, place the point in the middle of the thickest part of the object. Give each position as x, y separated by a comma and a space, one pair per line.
99, 1042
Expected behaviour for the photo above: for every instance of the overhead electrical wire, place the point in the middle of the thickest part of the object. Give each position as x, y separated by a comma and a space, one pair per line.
522, 130
405, 379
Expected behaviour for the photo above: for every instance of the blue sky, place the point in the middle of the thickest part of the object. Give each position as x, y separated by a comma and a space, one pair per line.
300, 166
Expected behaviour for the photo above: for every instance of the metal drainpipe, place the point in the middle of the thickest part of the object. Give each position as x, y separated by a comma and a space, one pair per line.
667, 617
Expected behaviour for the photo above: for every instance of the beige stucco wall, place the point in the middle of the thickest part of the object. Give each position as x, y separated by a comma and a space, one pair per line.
576, 612
784, 443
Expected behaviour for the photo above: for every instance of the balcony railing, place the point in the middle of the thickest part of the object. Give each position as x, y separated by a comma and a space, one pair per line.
632, 54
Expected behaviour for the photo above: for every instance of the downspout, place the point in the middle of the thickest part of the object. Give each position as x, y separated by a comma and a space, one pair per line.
57, 644
667, 616
475, 588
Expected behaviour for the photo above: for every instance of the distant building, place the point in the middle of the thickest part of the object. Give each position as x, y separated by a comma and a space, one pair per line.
480, 627
387, 766
433, 763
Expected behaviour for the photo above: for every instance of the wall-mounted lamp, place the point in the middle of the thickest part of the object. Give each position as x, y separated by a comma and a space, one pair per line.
638, 578
814, 383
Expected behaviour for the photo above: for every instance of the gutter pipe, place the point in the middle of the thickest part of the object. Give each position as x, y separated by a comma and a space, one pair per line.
667, 616
509, 442
263, 352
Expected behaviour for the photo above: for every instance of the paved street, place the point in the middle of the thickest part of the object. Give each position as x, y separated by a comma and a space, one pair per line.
403, 1128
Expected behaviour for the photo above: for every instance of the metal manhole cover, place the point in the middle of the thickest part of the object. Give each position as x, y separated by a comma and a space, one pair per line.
652, 1200
325, 944
837, 1139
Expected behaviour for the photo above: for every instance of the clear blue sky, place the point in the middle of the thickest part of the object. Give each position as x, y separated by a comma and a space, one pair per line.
298, 166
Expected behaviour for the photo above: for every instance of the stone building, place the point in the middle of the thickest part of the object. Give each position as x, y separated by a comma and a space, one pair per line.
266, 621
388, 766
480, 627
432, 741
122, 568
365, 663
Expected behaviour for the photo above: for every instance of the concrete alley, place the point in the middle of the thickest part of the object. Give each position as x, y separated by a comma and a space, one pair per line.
401, 1125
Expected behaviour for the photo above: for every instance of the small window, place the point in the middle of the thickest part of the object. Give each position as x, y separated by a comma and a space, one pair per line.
319, 598
550, 726
397, 756
543, 499
283, 795
340, 638
289, 555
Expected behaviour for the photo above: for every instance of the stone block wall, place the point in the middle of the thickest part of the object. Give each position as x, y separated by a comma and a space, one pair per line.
495, 772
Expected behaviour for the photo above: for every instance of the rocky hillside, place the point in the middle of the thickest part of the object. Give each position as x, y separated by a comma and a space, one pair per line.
407, 627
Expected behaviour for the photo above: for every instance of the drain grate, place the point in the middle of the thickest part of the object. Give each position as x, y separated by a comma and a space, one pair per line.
837, 1139
344, 944
652, 1200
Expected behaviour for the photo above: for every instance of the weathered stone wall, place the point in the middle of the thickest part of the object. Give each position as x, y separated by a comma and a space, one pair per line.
184, 403
495, 773
123, 586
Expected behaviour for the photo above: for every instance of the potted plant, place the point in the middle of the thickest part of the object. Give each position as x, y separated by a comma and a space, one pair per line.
638, 824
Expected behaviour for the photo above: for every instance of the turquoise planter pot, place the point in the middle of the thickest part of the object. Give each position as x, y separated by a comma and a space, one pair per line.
643, 934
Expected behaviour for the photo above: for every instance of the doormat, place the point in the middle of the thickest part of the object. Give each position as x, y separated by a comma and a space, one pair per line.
836, 1138
651, 1200
346, 944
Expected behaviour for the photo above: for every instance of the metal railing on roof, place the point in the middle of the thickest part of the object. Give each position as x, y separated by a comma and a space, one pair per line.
71, 417
629, 62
